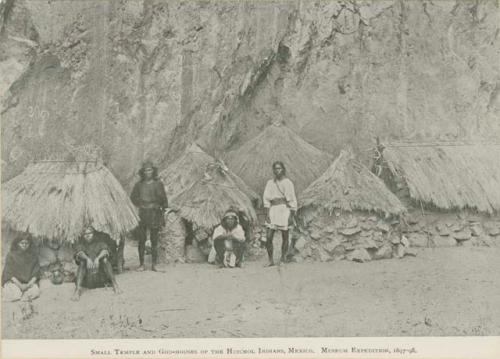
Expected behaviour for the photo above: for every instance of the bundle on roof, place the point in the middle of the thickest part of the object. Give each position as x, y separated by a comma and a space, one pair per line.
348, 185
253, 160
55, 199
206, 201
448, 176
189, 168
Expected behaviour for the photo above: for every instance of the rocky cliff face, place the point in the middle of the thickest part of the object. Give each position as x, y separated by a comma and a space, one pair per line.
143, 78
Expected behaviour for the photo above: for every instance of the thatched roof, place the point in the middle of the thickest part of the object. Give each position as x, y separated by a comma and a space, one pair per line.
206, 201
253, 160
185, 171
348, 185
448, 176
55, 199
189, 168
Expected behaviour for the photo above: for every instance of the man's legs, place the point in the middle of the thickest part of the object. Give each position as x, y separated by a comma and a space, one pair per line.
269, 245
153, 235
219, 249
11, 292
31, 293
108, 270
239, 249
80, 276
284, 245
141, 236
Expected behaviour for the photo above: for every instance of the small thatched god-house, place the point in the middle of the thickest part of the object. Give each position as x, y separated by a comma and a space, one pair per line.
179, 178
349, 213
54, 200
452, 191
253, 160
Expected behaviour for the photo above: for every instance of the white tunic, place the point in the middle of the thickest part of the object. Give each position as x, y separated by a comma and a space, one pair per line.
237, 232
280, 190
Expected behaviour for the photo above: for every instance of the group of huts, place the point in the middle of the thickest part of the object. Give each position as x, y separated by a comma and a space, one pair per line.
413, 195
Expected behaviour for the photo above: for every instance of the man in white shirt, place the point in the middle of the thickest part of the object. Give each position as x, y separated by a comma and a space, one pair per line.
280, 204
228, 241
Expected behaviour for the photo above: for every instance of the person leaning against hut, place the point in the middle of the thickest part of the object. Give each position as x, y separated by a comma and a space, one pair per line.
21, 272
150, 197
92, 255
228, 238
280, 204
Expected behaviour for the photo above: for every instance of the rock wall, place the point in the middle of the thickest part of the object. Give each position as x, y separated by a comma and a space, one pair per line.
143, 78
435, 229
357, 236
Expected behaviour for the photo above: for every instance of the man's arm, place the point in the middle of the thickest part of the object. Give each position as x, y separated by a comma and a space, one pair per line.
135, 196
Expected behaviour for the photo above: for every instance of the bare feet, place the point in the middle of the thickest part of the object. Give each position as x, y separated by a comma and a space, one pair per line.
153, 268
76, 296
141, 268
117, 289
270, 264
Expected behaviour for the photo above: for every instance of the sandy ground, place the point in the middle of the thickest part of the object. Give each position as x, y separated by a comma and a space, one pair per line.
445, 291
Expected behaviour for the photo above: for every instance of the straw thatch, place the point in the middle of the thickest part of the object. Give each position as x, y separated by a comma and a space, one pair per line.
448, 176
206, 201
185, 171
190, 167
253, 160
349, 186
55, 199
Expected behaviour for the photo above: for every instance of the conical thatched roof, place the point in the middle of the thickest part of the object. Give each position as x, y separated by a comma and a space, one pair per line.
185, 171
55, 199
349, 186
448, 175
213, 193
253, 160
189, 168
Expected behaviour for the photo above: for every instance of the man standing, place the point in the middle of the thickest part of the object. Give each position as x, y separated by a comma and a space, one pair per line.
93, 257
280, 204
150, 197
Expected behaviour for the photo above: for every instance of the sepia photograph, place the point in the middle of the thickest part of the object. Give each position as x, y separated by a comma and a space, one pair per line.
250, 178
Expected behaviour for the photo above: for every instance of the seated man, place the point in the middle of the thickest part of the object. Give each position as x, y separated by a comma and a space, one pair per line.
92, 255
229, 241
21, 272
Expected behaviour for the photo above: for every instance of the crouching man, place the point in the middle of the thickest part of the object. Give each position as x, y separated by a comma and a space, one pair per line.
92, 255
229, 241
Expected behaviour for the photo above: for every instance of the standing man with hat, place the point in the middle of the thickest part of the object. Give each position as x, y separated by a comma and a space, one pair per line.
150, 197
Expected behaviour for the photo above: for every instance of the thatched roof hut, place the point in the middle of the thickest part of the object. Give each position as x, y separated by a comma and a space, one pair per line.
189, 168
349, 186
253, 160
448, 175
206, 201
55, 199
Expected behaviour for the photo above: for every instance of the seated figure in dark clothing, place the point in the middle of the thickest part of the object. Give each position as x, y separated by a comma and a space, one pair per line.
22, 271
93, 257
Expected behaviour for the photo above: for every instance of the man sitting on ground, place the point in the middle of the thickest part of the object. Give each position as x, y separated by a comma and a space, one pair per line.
93, 257
228, 241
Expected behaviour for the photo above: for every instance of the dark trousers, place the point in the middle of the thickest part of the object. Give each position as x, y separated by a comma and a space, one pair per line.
142, 237
99, 278
220, 248
269, 244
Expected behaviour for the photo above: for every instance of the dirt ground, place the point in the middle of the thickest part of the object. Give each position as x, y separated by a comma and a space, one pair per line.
441, 292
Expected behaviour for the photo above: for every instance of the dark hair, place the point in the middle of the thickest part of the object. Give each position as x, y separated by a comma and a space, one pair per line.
281, 164
143, 176
224, 219
15, 243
